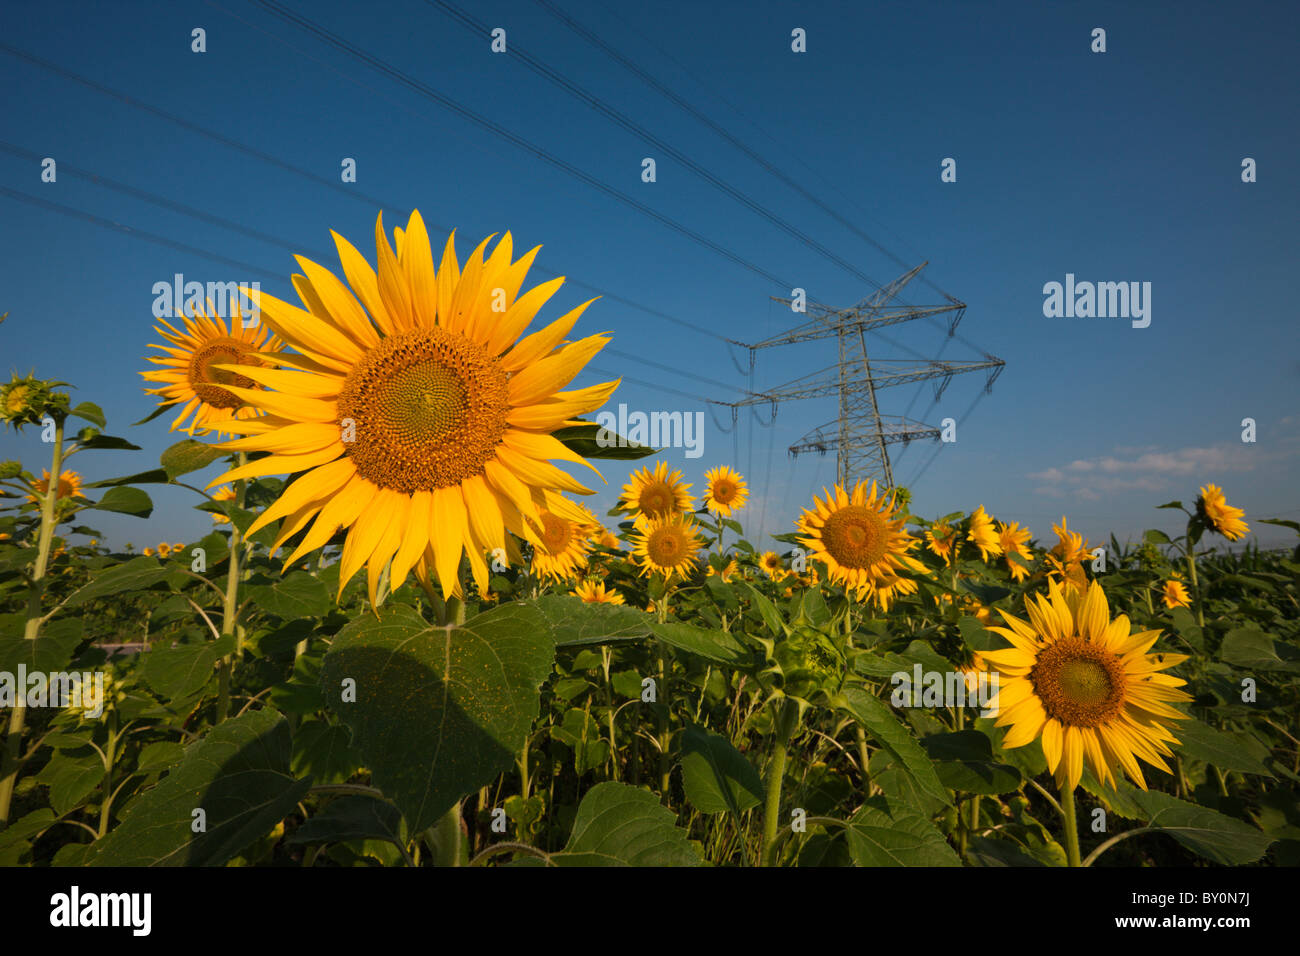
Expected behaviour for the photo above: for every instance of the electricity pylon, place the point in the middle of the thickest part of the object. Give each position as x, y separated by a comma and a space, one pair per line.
861, 435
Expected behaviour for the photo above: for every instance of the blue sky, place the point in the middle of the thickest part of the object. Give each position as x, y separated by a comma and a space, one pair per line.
1115, 166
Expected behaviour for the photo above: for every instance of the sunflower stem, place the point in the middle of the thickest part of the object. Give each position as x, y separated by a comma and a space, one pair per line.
1191, 578
784, 722
11, 761
1071, 827
230, 606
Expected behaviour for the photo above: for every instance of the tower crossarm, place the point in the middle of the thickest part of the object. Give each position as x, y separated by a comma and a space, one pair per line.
885, 373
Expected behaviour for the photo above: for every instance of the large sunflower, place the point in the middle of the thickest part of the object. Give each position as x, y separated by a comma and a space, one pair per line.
656, 494
197, 368
859, 536
1174, 594
1222, 517
417, 417
983, 534
667, 545
1086, 686
727, 492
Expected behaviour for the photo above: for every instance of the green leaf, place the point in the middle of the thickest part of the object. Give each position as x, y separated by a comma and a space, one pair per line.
106, 443
573, 621
1252, 649
238, 775
155, 477
766, 609
717, 776
135, 575
619, 825
188, 455
72, 776
987, 593
1221, 839
175, 673
161, 755
1171, 504
717, 646
297, 596
881, 834
877, 719
324, 752
1155, 536
352, 818
1293, 525
51, 651
156, 413
439, 711
125, 500
964, 761
90, 412
1216, 747
591, 441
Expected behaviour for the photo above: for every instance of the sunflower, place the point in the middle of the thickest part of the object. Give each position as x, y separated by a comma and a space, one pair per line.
69, 486
983, 534
667, 545
727, 492
606, 539
147, 552
561, 539
415, 415
727, 572
1086, 686
770, 562
595, 592
164, 549
1066, 558
1215, 511
1013, 540
224, 493
1174, 594
656, 494
941, 539
971, 673
196, 368
859, 536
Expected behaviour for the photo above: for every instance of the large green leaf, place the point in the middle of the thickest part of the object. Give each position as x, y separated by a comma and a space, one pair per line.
175, 673
135, 575
619, 825
439, 711
188, 455
573, 621
1252, 649
155, 476
1216, 747
716, 776
352, 818
964, 761
875, 716
1205, 832
587, 441
296, 596
72, 776
717, 646
324, 751
51, 650
881, 834
238, 774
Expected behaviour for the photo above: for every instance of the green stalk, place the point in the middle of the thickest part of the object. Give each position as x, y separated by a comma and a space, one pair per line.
230, 606
1071, 827
783, 726
11, 760
110, 754
1191, 578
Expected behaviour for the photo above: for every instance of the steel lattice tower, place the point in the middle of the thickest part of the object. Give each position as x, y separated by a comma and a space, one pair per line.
861, 435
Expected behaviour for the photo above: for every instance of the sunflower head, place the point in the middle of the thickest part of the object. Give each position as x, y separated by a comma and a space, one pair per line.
27, 400
1065, 560
656, 494
606, 539
669, 546
196, 369
164, 549
1174, 594
418, 419
69, 487
595, 592
726, 571
1086, 686
859, 536
942, 540
727, 492
983, 534
562, 540
1014, 540
224, 493
771, 564
1219, 516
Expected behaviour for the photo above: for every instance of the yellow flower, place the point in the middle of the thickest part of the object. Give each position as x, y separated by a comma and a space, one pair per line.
147, 552
562, 539
606, 539
667, 545
594, 592
419, 419
224, 493
941, 539
1013, 539
15, 398
656, 494
69, 486
164, 549
983, 534
1086, 686
1174, 594
770, 562
1067, 557
728, 572
1215, 511
859, 536
727, 492
196, 369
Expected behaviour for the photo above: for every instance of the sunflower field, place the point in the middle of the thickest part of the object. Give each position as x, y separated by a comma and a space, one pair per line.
406, 642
